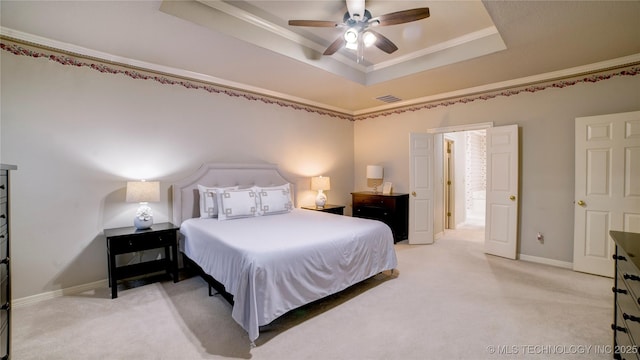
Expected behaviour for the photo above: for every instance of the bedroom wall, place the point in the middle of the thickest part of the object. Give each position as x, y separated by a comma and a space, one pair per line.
546, 122
78, 135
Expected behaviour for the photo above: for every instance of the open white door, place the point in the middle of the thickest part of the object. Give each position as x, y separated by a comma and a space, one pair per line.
501, 230
607, 187
421, 201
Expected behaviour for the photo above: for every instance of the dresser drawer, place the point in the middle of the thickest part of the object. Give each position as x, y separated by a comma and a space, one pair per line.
4, 287
373, 200
127, 244
4, 186
4, 241
3, 212
372, 212
629, 273
625, 347
629, 310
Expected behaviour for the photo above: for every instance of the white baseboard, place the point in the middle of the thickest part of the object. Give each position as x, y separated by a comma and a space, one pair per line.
57, 293
546, 261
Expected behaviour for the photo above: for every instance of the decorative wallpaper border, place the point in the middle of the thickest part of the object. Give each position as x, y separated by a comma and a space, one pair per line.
165, 79
626, 70
106, 67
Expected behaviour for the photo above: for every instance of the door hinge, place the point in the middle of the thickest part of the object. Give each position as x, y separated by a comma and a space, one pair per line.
448, 182
448, 214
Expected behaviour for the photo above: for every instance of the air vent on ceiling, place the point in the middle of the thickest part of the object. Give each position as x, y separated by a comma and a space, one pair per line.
388, 98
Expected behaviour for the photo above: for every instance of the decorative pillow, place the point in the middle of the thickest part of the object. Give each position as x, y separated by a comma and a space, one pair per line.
233, 204
209, 201
274, 200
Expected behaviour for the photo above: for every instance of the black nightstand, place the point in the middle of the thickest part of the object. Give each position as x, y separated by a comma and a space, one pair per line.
333, 209
129, 239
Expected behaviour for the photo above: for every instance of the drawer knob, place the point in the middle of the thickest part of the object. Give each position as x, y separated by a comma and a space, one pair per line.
630, 317
631, 277
619, 257
618, 328
619, 291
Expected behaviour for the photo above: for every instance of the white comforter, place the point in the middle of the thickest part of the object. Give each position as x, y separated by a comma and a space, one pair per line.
273, 264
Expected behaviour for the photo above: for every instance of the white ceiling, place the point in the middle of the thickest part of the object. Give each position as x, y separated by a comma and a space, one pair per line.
248, 44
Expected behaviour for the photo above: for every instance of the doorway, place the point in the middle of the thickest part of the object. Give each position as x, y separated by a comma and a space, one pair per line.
426, 175
464, 180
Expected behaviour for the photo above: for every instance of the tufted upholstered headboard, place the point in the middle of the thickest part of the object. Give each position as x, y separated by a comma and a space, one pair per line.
185, 192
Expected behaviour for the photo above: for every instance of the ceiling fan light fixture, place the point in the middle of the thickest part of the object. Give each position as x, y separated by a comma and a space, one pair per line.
369, 38
351, 36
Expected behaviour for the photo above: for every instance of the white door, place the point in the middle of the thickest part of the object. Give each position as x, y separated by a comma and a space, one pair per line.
421, 201
607, 187
501, 230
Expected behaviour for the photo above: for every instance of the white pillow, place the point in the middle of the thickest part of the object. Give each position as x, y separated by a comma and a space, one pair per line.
233, 204
274, 200
209, 201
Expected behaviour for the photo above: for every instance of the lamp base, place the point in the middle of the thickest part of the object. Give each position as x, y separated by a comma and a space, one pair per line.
142, 224
321, 200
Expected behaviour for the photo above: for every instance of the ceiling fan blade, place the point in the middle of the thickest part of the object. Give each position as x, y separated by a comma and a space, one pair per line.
401, 17
335, 46
313, 23
383, 43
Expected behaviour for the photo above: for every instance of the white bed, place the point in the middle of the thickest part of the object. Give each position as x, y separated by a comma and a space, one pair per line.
271, 264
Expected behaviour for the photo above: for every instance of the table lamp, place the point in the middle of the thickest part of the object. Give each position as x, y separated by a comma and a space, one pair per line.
374, 176
143, 192
320, 183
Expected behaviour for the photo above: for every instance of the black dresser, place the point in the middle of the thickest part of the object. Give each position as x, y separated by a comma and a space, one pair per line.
626, 308
391, 209
5, 265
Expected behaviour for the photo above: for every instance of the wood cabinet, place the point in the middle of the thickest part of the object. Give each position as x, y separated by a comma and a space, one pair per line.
5, 264
391, 209
626, 307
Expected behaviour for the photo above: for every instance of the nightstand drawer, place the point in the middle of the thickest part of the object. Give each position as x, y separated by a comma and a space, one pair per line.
140, 242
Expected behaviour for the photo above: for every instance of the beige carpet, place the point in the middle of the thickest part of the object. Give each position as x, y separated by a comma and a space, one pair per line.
447, 301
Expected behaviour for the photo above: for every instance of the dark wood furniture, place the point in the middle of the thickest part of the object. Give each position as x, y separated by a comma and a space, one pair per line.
5, 265
391, 209
626, 308
129, 239
333, 209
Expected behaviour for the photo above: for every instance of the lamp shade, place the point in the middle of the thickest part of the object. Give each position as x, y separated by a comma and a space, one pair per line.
320, 183
143, 191
374, 172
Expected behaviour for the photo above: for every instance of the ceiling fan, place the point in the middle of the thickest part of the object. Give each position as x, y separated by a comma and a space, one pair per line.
359, 23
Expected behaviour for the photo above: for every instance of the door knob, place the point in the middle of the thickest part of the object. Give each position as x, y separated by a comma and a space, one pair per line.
413, 193
512, 198
581, 203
